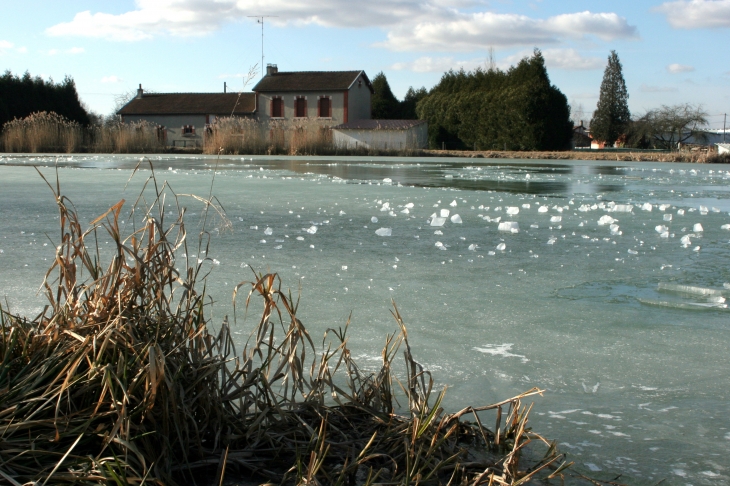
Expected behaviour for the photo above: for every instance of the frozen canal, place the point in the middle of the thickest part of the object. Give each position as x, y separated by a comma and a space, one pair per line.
603, 284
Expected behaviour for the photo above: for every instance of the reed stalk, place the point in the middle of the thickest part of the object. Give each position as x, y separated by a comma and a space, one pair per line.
124, 380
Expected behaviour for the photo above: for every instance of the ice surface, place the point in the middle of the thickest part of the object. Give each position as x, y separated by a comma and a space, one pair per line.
436, 221
513, 210
384, 232
606, 219
511, 226
697, 228
456, 219
445, 213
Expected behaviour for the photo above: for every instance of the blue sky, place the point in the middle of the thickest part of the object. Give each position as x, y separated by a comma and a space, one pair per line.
672, 51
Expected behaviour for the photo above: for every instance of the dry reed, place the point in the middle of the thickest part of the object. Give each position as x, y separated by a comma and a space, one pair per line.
123, 380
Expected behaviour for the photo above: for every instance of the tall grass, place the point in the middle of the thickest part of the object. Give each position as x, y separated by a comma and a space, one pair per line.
52, 133
124, 380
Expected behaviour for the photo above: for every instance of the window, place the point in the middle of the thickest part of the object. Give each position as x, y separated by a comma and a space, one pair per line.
277, 107
300, 107
325, 107
188, 130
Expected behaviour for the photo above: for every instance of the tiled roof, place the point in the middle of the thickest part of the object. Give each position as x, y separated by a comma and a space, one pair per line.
310, 81
191, 104
379, 125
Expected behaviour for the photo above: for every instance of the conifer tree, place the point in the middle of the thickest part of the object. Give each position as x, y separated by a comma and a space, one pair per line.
385, 104
612, 117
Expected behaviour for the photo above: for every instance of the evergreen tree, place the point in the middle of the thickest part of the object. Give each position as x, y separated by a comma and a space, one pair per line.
612, 117
385, 104
411, 99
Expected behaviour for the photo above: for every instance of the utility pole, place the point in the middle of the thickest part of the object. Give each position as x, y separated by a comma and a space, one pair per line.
724, 124
260, 20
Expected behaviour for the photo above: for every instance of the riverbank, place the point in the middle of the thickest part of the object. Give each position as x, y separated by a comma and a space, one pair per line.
607, 155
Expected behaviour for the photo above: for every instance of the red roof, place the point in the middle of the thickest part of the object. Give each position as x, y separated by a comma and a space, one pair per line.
191, 104
299, 81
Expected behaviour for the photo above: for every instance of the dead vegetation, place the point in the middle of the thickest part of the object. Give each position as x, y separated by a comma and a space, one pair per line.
123, 380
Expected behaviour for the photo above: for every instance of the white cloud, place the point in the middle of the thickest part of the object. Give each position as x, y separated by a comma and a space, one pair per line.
644, 88
411, 25
696, 14
566, 59
679, 68
22, 50
111, 79
73, 50
438, 65
53, 52
468, 32
76, 50
5, 46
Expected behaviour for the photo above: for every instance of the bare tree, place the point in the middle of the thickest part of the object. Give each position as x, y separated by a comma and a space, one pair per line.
669, 126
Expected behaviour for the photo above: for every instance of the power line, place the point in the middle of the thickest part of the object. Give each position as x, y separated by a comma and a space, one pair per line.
260, 20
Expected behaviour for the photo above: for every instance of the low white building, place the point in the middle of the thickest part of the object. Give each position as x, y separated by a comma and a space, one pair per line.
381, 134
723, 148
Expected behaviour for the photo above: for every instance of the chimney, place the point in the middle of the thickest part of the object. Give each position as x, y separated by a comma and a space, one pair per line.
271, 69
224, 87
140, 91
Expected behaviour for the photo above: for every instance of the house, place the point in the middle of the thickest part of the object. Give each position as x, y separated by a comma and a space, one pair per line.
581, 136
327, 97
723, 148
183, 117
381, 134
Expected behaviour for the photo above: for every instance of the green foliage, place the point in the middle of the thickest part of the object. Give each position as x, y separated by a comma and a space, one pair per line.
612, 117
385, 104
494, 110
408, 105
21, 96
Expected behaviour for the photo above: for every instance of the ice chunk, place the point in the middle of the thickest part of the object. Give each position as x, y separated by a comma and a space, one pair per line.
511, 226
556, 219
342, 213
453, 203
438, 232
667, 217
384, 232
685, 241
697, 228
688, 289
703, 210
268, 231
456, 219
606, 219
542, 209
438, 221
526, 206
501, 247
633, 252
300, 238
387, 181
661, 229
473, 247
647, 206
311, 230
409, 206
406, 211
552, 240
440, 245
513, 210
680, 212
445, 213
725, 227
373, 219
663, 207
615, 230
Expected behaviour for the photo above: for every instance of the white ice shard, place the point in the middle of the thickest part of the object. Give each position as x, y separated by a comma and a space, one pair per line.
311, 230
436, 221
453, 203
406, 211
513, 210
725, 227
387, 181
680, 212
438, 232
542, 209
445, 213
440, 245
526, 206
342, 213
510, 226
501, 247
661, 228
384, 232
556, 219
667, 217
300, 238
633, 252
456, 219
685, 241
703, 210
606, 219
409, 206
373, 219
473, 247
697, 228
647, 206
623, 208
615, 230
552, 240
268, 231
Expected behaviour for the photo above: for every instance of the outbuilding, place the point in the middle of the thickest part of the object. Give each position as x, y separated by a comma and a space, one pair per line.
381, 134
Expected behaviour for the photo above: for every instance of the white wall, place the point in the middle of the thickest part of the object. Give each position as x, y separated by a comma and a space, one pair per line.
413, 138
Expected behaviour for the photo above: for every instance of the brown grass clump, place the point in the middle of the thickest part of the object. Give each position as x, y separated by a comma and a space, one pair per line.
42, 132
123, 380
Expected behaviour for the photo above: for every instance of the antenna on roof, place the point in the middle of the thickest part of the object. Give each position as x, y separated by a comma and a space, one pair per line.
260, 20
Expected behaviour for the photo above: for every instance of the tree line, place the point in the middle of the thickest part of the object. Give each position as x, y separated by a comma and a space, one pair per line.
22, 96
487, 109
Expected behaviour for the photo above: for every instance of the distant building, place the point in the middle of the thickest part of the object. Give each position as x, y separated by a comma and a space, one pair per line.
581, 136
184, 117
382, 134
329, 97
723, 148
